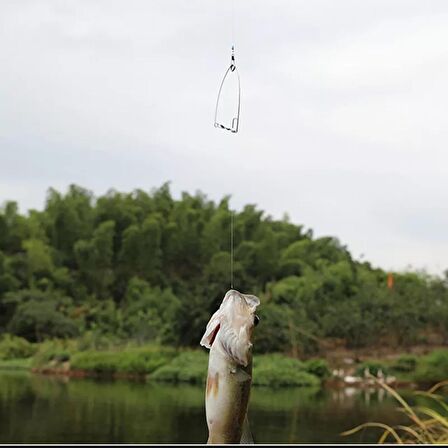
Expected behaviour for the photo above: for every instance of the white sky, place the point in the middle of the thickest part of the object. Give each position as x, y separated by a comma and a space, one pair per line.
343, 120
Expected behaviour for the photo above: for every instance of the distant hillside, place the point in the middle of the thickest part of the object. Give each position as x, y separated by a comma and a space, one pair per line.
145, 266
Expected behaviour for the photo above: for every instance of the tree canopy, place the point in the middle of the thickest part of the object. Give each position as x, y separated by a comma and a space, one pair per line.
146, 266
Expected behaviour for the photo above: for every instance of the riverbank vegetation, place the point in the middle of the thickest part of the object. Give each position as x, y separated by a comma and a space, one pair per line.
150, 269
152, 362
183, 365
428, 418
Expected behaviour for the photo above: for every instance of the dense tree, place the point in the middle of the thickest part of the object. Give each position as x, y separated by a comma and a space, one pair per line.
149, 267
38, 315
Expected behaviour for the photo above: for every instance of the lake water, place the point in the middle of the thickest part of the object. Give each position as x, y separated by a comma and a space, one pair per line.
37, 408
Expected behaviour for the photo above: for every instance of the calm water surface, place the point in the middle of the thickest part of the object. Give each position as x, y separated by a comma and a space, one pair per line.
35, 408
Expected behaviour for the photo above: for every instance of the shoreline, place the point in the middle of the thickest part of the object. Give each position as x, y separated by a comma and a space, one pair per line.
64, 371
162, 364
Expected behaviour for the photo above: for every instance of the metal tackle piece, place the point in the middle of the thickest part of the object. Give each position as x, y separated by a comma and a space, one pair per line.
234, 124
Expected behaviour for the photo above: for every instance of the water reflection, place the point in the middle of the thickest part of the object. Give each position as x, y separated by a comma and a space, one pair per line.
36, 408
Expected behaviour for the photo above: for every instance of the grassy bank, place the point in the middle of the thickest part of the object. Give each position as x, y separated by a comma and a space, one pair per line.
156, 363
16, 364
423, 370
135, 360
150, 362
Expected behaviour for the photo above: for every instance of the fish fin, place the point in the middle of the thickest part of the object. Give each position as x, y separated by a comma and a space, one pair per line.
214, 323
211, 330
246, 436
241, 376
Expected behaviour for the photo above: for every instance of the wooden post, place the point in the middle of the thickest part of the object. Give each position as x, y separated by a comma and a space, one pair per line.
390, 280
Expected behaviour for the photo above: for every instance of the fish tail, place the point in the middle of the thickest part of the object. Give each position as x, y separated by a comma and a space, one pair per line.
246, 437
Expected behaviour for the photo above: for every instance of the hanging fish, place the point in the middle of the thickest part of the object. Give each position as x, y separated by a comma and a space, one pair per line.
227, 108
228, 336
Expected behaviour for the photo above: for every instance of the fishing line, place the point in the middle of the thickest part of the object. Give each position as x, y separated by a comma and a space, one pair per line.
233, 22
232, 126
232, 249
232, 213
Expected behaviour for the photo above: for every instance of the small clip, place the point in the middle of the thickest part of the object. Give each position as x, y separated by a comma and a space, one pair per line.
234, 124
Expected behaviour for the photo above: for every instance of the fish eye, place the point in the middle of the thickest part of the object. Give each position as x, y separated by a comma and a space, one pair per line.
256, 320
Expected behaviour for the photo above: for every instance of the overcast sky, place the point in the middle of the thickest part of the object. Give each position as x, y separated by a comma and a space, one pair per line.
343, 116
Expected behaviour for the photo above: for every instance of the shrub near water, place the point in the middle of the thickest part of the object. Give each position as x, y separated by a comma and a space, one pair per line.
373, 368
14, 347
278, 370
58, 350
132, 361
405, 364
432, 368
318, 367
16, 364
188, 367
269, 370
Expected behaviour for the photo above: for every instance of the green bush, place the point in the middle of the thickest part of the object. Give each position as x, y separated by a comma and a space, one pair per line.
260, 361
97, 340
432, 368
14, 347
140, 360
15, 364
41, 315
99, 362
189, 367
277, 370
318, 367
373, 367
58, 350
269, 370
405, 364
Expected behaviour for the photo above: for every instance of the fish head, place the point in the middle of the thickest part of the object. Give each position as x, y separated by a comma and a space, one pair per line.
231, 327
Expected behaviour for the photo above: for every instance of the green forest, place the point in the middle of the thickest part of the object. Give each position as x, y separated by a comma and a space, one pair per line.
149, 267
